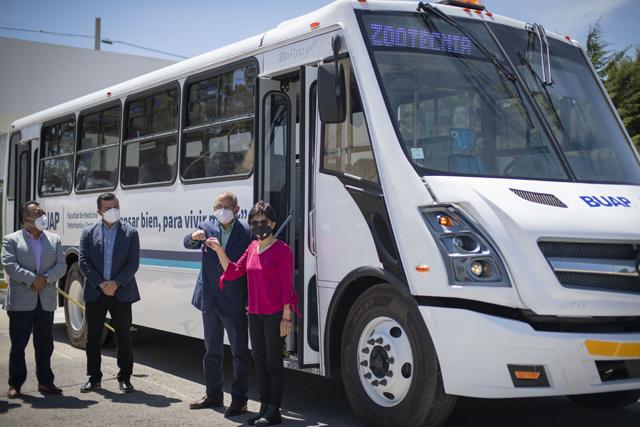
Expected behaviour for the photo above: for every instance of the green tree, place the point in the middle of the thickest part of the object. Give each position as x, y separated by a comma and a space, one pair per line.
623, 85
601, 57
620, 74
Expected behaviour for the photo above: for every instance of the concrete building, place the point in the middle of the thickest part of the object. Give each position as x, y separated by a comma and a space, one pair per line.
35, 76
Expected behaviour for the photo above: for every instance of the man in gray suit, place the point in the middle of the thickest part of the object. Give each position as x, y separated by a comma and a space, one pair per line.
34, 261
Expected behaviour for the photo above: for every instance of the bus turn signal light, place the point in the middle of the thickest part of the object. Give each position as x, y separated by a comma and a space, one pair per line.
422, 268
445, 221
314, 25
526, 375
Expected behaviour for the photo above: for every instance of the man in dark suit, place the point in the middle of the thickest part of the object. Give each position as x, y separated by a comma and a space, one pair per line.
222, 309
109, 260
33, 260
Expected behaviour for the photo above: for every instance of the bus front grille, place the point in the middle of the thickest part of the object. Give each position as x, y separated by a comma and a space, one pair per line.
605, 267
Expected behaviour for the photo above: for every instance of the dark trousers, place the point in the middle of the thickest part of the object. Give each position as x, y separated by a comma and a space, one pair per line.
215, 324
95, 314
21, 325
266, 346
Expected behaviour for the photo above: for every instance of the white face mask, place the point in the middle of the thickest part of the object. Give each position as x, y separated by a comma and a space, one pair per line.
225, 216
112, 215
42, 222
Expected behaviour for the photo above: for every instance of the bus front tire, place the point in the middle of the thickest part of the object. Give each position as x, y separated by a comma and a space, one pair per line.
74, 315
390, 368
611, 400
75, 321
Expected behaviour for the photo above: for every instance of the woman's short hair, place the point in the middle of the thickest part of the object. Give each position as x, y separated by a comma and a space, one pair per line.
263, 208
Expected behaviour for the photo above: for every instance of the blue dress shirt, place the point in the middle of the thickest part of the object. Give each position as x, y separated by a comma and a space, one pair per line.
108, 238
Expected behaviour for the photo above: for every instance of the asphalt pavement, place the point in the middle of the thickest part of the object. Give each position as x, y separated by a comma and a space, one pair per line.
168, 375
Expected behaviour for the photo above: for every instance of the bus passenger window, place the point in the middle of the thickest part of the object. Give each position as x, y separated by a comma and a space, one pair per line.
97, 156
56, 163
346, 147
15, 139
153, 114
218, 134
150, 150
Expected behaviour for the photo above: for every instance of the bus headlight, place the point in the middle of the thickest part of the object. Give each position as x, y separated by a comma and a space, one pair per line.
470, 256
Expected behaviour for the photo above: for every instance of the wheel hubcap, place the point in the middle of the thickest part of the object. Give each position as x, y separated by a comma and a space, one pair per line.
385, 361
76, 314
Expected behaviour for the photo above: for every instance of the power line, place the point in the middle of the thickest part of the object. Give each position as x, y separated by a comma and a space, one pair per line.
54, 33
87, 36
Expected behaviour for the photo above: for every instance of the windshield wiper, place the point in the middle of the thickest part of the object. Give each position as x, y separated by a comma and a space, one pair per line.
543, 86
502, 71
426, 7
536, 106
539, 30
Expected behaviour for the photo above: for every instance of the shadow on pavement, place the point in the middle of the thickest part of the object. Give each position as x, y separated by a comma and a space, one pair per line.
6, 406
181, 356
62, 401
138, 397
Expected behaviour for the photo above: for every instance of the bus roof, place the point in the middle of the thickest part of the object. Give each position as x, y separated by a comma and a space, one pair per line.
327, 16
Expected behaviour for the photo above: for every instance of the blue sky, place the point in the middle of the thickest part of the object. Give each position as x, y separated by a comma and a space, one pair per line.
190, 27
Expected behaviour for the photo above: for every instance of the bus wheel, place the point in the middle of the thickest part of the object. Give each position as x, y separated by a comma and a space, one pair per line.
389, 364
611, 400
74, 315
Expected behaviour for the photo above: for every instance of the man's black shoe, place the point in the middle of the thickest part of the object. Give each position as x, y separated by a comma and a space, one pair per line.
207, 402
49, 389
126, 386
236, 408
263, 409
89, 386
271, 417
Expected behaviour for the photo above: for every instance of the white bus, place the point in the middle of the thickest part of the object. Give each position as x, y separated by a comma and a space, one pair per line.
463, 199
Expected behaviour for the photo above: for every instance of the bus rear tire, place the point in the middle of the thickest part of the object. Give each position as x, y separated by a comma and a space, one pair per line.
74, 316
611, 400
390, 368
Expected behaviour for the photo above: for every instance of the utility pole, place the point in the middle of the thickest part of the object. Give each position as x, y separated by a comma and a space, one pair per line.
96, 45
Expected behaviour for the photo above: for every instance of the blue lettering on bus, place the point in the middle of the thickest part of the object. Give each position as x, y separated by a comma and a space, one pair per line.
606, 201
54, 220
417, 38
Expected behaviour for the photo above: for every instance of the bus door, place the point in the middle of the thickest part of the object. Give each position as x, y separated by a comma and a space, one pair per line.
22, 181
276, 162
309, 343
283, 170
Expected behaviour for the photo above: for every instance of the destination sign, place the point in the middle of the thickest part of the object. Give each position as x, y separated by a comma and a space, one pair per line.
385, 35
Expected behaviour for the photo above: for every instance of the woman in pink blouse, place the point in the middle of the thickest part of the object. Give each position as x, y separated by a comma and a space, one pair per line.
268, 264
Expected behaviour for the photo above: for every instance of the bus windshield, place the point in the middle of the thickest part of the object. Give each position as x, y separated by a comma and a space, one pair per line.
458, 112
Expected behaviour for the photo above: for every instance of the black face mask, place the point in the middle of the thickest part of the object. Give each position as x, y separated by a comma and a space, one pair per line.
261, 231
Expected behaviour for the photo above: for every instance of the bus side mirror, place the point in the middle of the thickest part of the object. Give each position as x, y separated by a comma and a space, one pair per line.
332, 96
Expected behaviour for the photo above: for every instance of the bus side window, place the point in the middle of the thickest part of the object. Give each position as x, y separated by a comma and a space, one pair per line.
346, 147
98, 148
15, 139
56, 161
149, 151
218, 134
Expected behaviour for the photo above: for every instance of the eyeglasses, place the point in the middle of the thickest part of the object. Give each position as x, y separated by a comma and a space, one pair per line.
257, 223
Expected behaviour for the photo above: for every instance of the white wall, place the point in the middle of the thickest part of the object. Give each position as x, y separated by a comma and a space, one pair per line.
35, 76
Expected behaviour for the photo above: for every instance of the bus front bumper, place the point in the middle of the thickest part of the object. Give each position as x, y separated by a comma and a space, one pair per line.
492, 357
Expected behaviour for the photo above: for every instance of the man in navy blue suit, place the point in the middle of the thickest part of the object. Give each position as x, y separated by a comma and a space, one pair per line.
109, 260
222, 309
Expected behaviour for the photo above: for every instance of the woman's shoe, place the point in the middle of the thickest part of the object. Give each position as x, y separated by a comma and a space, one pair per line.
263, 409
271, 417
